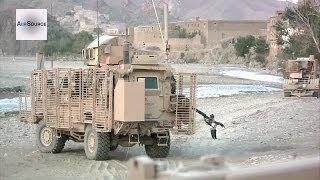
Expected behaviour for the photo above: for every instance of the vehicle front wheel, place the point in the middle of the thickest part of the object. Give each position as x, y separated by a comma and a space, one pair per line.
113, 147
96, 144
48, 140
158, 151
316, 94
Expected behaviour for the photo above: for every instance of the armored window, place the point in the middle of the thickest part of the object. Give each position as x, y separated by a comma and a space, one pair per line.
150, 82
107, 49
87, 53
91, 53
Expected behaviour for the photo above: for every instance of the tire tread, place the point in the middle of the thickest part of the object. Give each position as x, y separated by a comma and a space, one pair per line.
155, 151
58, 142
103, 145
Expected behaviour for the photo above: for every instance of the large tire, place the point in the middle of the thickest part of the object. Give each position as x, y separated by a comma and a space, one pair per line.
48, 140
155, 151
113, 147
96, 144
114, 143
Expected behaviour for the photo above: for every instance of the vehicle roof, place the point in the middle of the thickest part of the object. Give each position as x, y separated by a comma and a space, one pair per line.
105, 39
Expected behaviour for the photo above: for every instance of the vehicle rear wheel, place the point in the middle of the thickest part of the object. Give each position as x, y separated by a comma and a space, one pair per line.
114, 143
156, 151
287, 94
96, 144
48, 140
113, 147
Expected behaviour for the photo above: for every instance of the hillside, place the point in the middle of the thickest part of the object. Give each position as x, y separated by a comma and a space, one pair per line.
8, 44
231, 9
77, 15
140, 11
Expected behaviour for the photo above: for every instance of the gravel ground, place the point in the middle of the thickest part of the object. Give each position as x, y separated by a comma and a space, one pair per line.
260, 128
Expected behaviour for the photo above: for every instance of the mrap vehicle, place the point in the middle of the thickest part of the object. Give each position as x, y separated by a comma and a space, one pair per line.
120, 99
301, 78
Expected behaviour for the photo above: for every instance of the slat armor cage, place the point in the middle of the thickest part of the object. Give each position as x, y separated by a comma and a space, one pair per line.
65, 98
185, 103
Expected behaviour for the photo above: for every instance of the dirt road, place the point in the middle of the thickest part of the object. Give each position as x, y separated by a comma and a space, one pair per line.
260, 128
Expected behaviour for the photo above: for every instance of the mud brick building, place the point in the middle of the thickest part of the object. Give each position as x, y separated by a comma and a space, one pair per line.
209, 32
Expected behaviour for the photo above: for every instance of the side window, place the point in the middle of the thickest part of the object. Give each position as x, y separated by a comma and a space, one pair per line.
150, 82
87, 54
91, 56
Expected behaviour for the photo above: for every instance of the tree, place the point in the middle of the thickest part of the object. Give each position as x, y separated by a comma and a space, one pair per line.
307, 19
303, 22
97, 30
244, 44
80, 40
261, 46
258, 44
62, 42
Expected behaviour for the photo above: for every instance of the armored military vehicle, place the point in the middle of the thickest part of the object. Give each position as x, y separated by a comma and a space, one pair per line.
301, 78
120, 99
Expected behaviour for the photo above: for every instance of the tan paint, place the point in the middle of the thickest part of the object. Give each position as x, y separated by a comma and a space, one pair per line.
129, 101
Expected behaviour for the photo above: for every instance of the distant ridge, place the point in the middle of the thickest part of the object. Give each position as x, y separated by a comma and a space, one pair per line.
228, 9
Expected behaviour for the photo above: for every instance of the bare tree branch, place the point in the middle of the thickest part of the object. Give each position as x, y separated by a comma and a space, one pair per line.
306, 24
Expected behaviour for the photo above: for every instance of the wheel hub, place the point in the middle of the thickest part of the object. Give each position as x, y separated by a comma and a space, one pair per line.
91, 142
46, 137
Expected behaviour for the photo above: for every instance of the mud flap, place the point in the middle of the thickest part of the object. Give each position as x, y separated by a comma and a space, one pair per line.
163, 139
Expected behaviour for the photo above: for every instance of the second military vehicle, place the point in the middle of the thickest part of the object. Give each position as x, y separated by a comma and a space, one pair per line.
301, 77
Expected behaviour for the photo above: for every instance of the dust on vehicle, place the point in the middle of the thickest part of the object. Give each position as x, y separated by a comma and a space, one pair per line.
121, 99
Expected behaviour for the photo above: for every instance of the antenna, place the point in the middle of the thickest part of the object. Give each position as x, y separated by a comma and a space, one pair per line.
98, 31
160, 29
166, 36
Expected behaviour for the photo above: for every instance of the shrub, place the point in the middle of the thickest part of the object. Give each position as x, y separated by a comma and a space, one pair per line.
244, 44
261, 46
62, 42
